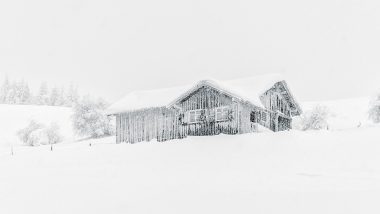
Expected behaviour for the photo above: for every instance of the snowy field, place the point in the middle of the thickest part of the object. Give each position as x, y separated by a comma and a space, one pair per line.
321, 172
345, 113
15, 117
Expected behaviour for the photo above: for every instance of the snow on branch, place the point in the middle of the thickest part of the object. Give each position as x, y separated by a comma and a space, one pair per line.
90, 119
374, 109
314, 119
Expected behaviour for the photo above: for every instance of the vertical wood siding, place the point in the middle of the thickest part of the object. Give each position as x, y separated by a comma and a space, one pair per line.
155, 123
280, 115
209, 99
246, 125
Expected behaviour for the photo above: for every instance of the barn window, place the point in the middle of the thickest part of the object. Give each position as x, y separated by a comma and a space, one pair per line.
195, 116
222, 113
253, 117
256, 116
264, 116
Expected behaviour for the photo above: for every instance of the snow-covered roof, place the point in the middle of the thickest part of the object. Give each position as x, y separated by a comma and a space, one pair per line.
146, 99
246, 89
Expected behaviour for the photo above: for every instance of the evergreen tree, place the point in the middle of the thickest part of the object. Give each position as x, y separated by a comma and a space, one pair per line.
54, 97
22, 94
72, 96
26, 93
12, 94
43, 97
17, 92
4, 90
61, 101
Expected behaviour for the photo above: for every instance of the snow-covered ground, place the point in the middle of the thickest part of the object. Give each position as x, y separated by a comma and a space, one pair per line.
289, 172
15, 117
345, 113
329, 172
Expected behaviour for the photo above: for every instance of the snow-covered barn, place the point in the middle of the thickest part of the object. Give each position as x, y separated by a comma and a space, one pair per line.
209, 107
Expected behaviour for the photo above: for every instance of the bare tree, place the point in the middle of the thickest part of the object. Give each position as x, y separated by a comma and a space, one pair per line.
315, 119
374, 109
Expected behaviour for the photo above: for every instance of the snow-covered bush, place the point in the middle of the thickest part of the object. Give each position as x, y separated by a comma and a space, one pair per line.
38, 137
315, 119
53, 134
36, 134
374, 109
90, 120
25, 133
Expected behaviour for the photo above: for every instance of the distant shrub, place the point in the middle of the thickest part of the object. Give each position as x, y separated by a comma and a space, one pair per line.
90, 119
374, 109
36, 134
53, 134
315, 119
38, 137
25, 133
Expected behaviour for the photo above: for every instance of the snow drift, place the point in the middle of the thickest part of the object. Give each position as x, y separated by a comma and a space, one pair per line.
267, 173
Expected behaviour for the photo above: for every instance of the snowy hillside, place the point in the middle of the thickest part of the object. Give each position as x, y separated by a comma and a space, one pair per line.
15, 117
345, 113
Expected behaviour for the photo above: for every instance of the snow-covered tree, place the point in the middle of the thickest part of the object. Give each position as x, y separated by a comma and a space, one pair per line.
89, 118
61, 100
35, 134
25, 134
4, 90
26, 95
18, 92
54, 97
38, 137
374, 109
43, 96
53, 133
315, 119
72, 96
11, 97
21, 93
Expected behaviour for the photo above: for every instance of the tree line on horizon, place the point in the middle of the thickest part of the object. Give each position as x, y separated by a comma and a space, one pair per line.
19, 93
89, 118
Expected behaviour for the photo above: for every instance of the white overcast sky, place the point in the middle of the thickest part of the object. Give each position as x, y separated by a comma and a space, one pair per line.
327, 49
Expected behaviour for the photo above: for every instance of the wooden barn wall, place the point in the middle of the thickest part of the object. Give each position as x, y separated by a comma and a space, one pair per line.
209, 99
205, 98
156, 123
245, 118
274, 101
266, 123
284, 124
269, 99
246, 126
